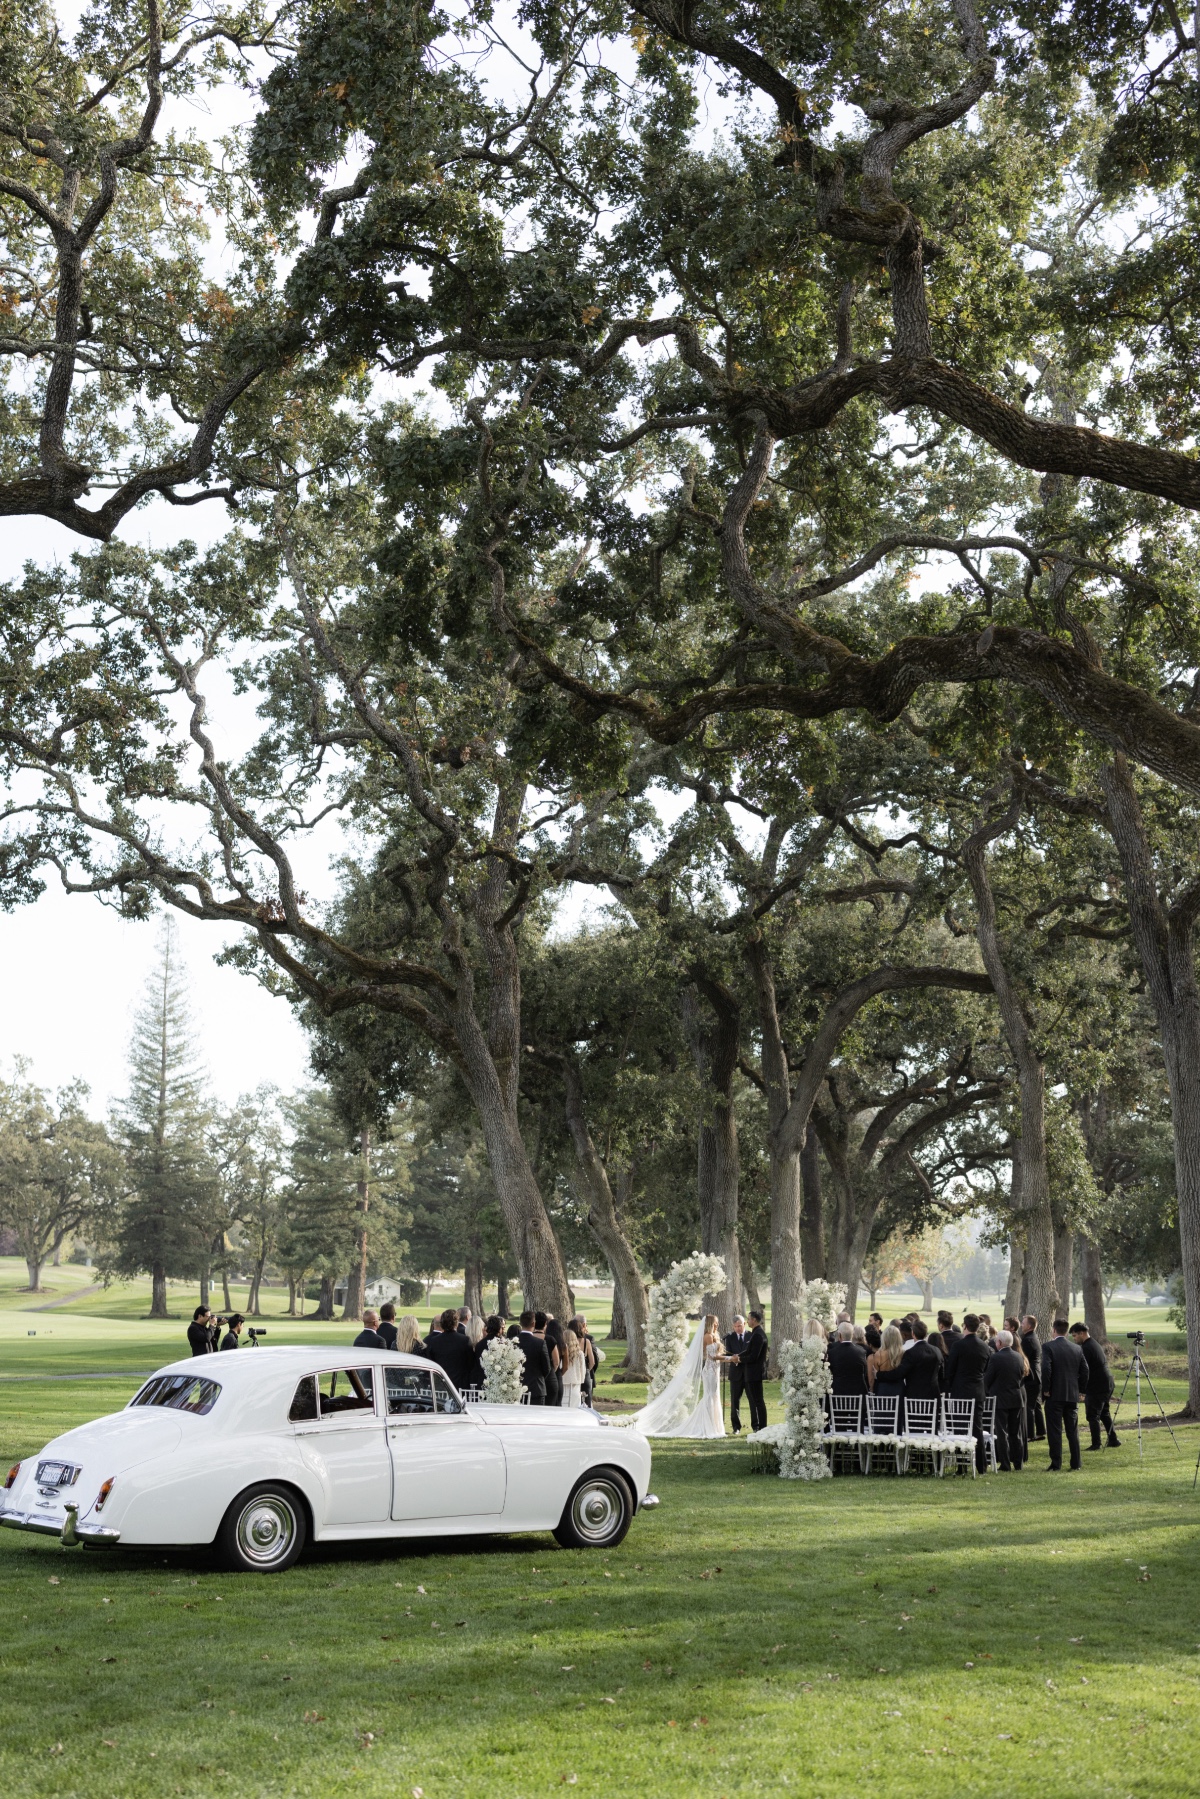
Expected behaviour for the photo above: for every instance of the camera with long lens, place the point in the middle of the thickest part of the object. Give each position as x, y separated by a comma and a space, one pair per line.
254, 1335
1136, 1336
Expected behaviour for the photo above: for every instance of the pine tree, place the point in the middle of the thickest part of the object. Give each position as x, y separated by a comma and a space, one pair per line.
166, 1227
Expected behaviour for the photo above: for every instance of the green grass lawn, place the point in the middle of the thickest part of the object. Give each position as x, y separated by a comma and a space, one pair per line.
751, 1636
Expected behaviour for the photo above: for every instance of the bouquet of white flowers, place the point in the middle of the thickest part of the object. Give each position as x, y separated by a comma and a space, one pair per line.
503, 1359
820, 1300
806, 1380
670, 1302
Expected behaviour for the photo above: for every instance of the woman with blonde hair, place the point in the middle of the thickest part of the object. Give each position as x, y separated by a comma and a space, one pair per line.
885, 1373
408, 1336
813, 1328
574, 1366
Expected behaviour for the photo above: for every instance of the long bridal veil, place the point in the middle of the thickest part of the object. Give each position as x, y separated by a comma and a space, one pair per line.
679, 1398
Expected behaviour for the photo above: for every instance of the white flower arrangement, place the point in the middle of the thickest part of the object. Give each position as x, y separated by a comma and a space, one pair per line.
678, 1293
823, 1301
503, 1359
805, 1382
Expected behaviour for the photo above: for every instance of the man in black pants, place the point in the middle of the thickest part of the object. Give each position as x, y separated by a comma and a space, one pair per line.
1031, 1343
1064, 1378
735, 1344
753, 1363
1099, 1388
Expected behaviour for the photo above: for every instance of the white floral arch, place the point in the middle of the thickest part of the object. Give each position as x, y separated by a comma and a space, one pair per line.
678, 1293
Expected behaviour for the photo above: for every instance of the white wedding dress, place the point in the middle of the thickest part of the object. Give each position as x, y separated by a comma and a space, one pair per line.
690, 1404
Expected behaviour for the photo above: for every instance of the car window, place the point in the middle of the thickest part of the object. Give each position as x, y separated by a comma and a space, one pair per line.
304, 1405
445, 1399
346, 1390
181, 1392
408, 1391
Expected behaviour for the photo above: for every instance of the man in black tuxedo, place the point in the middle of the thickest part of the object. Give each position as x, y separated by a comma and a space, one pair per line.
753, 1363
387, 1325
463, 1317
1004, 1379
536, 1371
1064, 1378
735, 1345
847, 1364
368, 1337
1100, 1386
453, 1354
966, 1364
950, 1332
922, 1365
1031, 1343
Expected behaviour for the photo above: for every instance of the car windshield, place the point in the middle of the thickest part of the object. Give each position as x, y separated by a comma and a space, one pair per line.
181, 1392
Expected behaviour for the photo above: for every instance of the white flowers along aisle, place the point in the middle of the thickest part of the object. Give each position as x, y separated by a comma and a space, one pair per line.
502, 1361
667, 1332
820, 1300
804, 1384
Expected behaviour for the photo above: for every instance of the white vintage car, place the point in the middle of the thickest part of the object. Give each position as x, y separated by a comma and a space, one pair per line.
259, 1451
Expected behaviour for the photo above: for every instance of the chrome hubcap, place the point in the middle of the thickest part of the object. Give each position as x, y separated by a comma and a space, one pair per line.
267, 1529
597, 1510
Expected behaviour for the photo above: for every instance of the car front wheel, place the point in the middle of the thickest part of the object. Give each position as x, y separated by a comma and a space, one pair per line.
263, 1531
598, 1513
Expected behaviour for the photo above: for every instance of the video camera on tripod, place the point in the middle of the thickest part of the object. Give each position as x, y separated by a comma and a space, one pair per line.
254, 1334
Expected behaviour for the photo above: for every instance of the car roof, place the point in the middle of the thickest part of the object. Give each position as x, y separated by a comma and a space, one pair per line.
287, 1361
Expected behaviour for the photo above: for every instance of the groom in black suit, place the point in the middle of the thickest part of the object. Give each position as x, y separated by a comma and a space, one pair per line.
735, 1345
752, 1361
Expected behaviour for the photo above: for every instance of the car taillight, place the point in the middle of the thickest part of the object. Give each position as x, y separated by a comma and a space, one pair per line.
104, 1492
12, 1476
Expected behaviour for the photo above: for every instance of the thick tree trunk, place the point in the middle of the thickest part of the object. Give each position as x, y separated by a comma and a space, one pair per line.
1031, 1077
926, 1296
473, 1285
34, 1272
1016, 1277
812, 1217
324, 1309
715, 1044
540, 1268
604, 1222
1165, 939
204, 1284
356, 1280
158, 1291
225, 1289
254, 1301
750, 1287
291, 1281
502, 1296
1093, 1290
787, 1189
616, 1329
1064, 1246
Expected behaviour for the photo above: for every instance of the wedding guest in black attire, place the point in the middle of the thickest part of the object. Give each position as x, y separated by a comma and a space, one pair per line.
387, 1325
966, 1363
200, 1332
580, 1324
735, 1345
949, 1331
753, 1362
368, 1337
1004, 1378
454, 1355
556, 1344
536, 1374
922, 1365
885, 1368
1100, 1386
464, 1320
873, 1331
232, 1337
1064, 1378
1031, 1347
847, 1364
938, 1346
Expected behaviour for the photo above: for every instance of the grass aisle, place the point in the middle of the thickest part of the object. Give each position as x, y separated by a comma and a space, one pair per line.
750, 1636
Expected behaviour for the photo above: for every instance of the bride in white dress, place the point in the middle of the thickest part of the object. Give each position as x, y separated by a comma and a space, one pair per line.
690, 1404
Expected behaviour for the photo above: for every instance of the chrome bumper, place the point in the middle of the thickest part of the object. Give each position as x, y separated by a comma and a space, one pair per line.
649, 1502
69, 1532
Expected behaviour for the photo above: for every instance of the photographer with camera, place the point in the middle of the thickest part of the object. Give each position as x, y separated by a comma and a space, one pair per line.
1099, 1388
201, 1332
231, 1339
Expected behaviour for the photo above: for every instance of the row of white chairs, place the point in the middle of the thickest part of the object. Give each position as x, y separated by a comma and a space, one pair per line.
887, 1425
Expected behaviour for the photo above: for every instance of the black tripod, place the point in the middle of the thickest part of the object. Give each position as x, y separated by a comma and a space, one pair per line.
1137, 1368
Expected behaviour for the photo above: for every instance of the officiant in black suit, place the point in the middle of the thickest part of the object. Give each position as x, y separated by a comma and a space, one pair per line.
753, 1363
735, 1344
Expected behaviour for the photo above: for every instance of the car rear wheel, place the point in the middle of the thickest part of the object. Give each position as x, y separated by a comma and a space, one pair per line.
263, 1531
598, 1513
